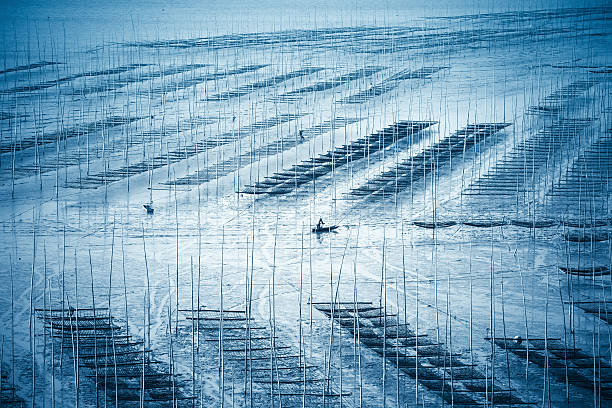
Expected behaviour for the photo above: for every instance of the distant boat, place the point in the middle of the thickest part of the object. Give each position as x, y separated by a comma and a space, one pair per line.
320, 230
433, 225
585, 237
586, 223
149, 208
544, 223
484, 223
593, 271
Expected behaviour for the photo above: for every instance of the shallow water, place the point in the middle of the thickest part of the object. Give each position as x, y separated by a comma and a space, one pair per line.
188, 98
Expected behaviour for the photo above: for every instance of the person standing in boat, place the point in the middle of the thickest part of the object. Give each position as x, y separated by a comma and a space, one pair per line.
320, 223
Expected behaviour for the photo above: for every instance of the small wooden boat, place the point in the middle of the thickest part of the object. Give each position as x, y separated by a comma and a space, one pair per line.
586, 223
593, 271
534, 224
432, 225
320, 230
484, 223
585, 237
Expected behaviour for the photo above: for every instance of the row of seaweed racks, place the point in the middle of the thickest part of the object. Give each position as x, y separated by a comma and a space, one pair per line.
121, 367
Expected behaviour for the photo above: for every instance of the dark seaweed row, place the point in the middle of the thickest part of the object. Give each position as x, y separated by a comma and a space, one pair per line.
273, 81
55, 82
75, 158
301, 37
553, 103
510, 29
389, 84
8, 396
118, 83
201, 78
416, 167
330, 83
214, 171
568, 364
179, 154
601, 309
516, 172
252, 349
531, 15
476, 38
391, 38
119, 364
588, 179
9, 115
429, 363
28, 67
80, 130
288, 180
